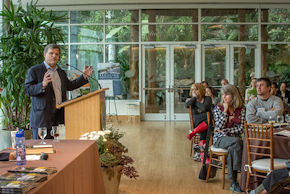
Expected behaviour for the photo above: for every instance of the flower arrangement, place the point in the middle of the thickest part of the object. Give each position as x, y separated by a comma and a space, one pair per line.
112, 151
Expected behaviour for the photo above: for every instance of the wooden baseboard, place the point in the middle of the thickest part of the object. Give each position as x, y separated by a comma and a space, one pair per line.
123, 118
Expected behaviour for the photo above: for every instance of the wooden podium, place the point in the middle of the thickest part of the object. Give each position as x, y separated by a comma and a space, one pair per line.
84, 114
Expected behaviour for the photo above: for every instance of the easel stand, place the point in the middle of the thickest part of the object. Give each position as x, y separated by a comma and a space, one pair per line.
110, 114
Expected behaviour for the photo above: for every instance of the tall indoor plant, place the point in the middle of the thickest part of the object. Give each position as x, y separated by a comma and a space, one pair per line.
25, 33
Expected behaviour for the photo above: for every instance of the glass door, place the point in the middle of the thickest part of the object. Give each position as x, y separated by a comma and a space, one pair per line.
155, 82
182, 76
168, 72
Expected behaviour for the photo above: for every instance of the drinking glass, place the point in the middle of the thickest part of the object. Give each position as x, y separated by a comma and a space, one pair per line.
55, 133
280, 120
287, 117
42, 132
271, 119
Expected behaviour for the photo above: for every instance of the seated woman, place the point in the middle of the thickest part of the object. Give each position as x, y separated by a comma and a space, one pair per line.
229, 124
251, 92
284, 93
200, 104
210, 91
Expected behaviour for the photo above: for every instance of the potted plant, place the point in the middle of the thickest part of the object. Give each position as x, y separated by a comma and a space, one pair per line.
26, 32
113, 160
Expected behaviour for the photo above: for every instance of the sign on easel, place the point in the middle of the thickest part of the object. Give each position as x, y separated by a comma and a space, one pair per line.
109, 76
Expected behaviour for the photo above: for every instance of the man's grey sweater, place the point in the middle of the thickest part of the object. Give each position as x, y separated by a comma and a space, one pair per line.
255, 116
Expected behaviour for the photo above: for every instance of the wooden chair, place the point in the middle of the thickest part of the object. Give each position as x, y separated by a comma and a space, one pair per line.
195, 139
262, 134
221, 157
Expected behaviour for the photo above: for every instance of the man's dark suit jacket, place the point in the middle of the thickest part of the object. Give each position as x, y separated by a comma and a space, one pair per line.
43, 112
4, 156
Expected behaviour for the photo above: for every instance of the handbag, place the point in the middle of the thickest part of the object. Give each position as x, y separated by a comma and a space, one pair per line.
203, 170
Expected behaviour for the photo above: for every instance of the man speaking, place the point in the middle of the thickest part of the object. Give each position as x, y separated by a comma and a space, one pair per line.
47, 85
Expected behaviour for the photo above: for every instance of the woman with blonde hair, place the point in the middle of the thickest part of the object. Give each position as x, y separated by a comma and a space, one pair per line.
200, 104
229, 119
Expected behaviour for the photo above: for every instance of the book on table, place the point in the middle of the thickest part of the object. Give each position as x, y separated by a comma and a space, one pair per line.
40, 170
29, 177
23, 179
20, 182
15, 186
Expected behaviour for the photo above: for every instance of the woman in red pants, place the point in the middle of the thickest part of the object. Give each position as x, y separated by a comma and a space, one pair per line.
200, 104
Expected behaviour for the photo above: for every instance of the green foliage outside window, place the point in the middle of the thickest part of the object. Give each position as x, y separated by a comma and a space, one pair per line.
180, 25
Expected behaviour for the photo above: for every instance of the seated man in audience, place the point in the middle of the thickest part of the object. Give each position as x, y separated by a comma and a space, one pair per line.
275, 182
265, 105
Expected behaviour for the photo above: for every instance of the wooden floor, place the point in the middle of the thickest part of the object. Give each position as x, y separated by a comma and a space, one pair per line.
161, 154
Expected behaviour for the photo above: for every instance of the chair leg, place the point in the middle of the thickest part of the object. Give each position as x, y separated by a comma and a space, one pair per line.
248, 180
191, 147
223, 170
209, 166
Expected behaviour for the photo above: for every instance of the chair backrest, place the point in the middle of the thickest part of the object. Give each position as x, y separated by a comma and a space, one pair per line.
259, 142
191, 117
212, 132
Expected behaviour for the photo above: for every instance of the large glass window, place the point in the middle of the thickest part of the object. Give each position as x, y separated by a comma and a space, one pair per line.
277, 62
128, 58
62, 14
64, 29
229, 15
170, 25
230, 32
122, 33
275, 25
87, 17
99, 36
219, 25
82, 34
63, 59
277, 33
88, 55
122, 16
169, 32
169, 16
275, 15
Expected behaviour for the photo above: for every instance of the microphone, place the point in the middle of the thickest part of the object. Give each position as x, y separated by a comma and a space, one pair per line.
85, 74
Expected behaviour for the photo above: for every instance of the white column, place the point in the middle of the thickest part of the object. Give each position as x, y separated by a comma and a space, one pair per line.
199, 67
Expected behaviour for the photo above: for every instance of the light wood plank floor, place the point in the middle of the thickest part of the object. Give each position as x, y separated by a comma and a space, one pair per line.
161, 153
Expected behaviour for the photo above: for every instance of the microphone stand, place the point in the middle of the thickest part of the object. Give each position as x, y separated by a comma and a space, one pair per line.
85, 74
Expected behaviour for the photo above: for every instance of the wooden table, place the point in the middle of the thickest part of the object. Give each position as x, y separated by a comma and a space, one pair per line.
78, 168
281, 150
